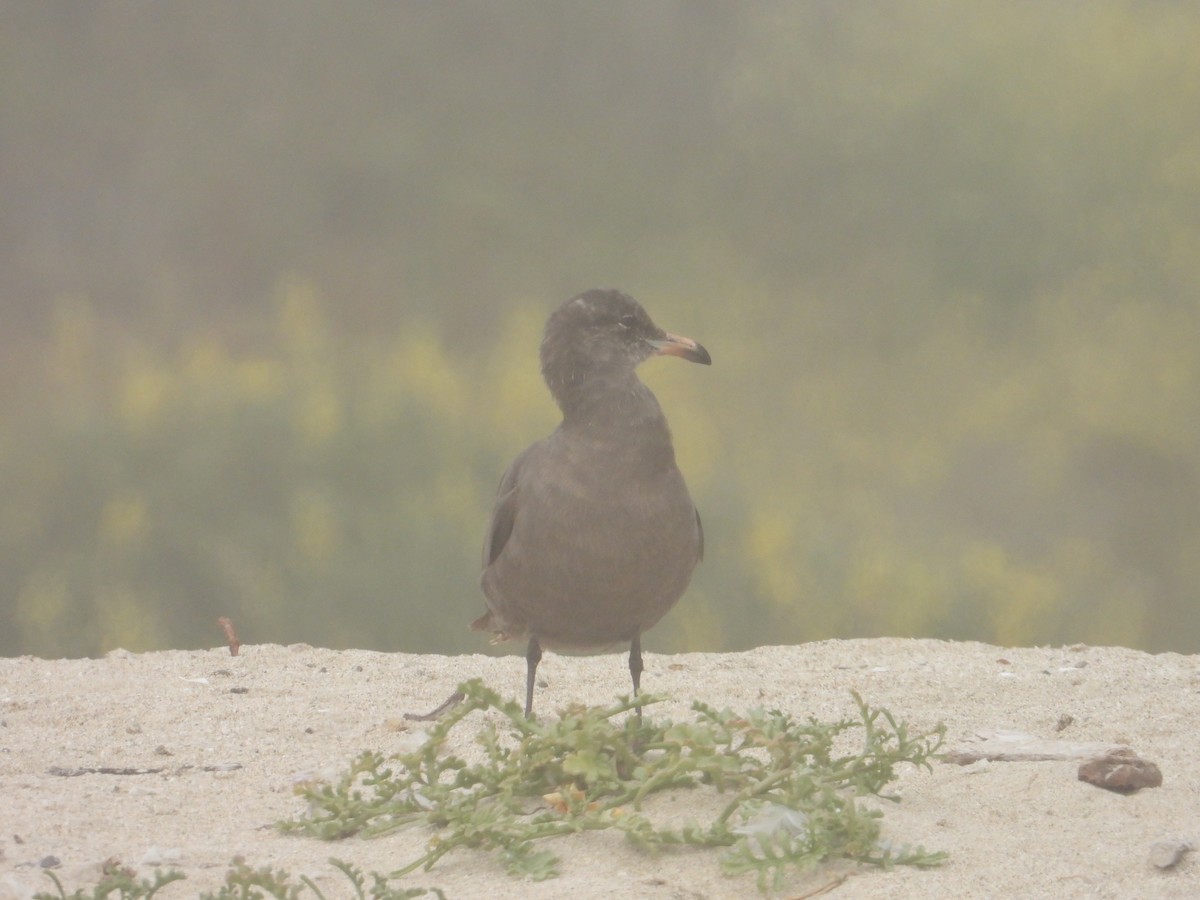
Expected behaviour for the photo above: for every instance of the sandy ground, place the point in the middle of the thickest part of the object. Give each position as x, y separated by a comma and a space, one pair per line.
1013, 829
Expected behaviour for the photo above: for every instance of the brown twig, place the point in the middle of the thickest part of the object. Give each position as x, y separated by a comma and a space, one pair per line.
449, 703
823, 889
230, 635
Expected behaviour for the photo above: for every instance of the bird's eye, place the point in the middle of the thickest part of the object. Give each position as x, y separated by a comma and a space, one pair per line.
627, 321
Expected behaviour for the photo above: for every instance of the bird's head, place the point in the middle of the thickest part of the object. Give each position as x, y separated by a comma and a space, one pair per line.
605, 332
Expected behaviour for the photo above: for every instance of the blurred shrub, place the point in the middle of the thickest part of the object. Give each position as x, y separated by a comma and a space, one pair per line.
318, 488
947, 260
307, 489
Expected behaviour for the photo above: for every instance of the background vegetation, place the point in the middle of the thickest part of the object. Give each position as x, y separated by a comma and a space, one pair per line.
273, 278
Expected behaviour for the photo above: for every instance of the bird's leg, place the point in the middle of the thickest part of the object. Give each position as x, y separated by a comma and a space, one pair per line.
635, 666
533, 656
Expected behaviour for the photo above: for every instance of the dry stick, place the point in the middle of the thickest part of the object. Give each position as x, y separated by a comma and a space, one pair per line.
824, 889
230, 635
449, 703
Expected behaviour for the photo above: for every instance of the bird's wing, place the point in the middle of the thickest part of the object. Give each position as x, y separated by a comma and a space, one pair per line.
700, 530
504, 513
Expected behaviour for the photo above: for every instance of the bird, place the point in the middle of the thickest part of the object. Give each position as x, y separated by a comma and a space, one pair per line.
593, 535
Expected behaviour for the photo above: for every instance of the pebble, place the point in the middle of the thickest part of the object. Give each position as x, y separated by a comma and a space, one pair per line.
1167, 853
1123, 774
157, 856
980, 765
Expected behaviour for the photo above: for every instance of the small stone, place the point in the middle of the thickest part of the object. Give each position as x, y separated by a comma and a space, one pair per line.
1166, 854
50, 862
1066, 720
152, 857
160, 856
410, 741
306, 781
1123, 774
239, 690
161, 750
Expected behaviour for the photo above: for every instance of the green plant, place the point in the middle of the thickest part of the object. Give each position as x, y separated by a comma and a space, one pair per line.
792, 789
241, 883
245, 883
115, 881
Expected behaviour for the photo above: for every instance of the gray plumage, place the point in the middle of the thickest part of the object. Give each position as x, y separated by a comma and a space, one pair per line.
594, 535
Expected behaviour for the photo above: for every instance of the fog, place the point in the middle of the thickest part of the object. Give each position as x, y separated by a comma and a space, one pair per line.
273, 277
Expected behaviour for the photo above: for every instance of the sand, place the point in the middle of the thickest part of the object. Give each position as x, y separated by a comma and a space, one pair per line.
232, 735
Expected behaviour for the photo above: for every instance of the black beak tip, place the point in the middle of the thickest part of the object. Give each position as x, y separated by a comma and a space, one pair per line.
684, 348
